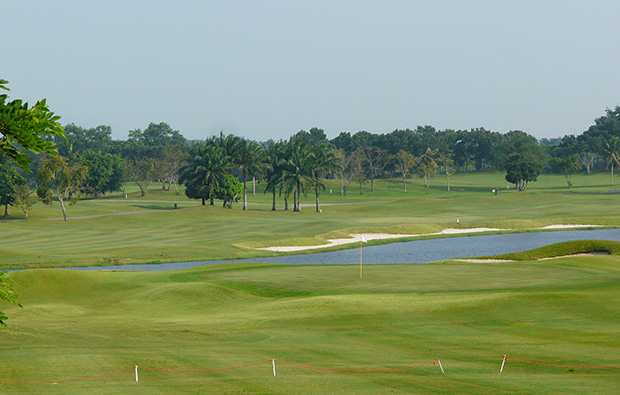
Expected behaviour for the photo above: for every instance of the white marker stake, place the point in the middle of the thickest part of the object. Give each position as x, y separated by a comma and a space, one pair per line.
503, 362
273, 362
441, 367
136, 373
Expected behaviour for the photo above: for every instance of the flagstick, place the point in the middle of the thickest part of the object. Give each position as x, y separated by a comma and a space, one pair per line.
361, 241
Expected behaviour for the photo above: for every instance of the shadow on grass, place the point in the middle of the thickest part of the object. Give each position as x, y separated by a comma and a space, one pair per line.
157, 206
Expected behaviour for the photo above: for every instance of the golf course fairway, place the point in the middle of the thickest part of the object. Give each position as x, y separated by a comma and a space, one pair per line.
76, 324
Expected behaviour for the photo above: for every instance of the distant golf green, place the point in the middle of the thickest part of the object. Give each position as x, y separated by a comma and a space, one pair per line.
468, 315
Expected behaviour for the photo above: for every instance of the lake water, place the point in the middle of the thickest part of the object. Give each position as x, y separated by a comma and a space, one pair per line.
418, 251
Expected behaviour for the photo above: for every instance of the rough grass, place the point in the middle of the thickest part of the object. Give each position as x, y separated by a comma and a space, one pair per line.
79, 324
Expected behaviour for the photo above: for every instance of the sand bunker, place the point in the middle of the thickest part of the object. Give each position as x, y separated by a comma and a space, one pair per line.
484, 260
355, 238
570, 226
570, 256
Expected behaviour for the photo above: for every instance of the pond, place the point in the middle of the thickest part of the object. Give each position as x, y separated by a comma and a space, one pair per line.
417, 251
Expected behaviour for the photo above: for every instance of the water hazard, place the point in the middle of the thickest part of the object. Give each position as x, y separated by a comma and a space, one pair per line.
418, 251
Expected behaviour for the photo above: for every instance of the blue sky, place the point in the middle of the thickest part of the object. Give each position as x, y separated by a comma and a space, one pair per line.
266, 69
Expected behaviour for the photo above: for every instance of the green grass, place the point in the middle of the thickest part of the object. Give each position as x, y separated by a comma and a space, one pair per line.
562, 249
79, 324
192, 232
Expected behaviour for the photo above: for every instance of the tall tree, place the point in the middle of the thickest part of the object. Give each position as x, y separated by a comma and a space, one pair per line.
204, 172
404, 163
25, 198
375, 160
566, 166
298, 171
612, 152
26, 127
79, 140
521, 169
249, 158
62, 179
9, 181
426, 167
324, 164
106, 172
275, 161
446, 162
142, 171
170, 163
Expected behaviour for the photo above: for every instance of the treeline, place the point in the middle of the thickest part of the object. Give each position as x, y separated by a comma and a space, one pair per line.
219, 168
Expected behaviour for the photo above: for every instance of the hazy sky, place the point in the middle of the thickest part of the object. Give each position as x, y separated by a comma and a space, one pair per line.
266, 69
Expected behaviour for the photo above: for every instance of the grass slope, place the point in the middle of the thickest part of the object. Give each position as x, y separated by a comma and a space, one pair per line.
78, 324
96, 235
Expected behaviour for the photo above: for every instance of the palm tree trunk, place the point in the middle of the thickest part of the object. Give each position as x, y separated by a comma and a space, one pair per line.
316, 192
245, 190
612, 173
294, 200
273, 206
341, 187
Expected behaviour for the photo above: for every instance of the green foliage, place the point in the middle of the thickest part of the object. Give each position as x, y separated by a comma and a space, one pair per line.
522, 169
106, 172
9, 181
62, 179
8, 294
426, 166
612, 153
298, 172
325, 163
25, 198
142, 171
78, 140
25, 127
204, 172
566, 166
249, 158
228, 190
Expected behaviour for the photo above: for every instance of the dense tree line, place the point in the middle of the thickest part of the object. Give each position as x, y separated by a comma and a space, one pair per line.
223, 167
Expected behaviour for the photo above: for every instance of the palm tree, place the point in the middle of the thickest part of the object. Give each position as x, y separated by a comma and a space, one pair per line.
324, 164
612, 151
298, 171
250, 159
204, 172
274, 169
